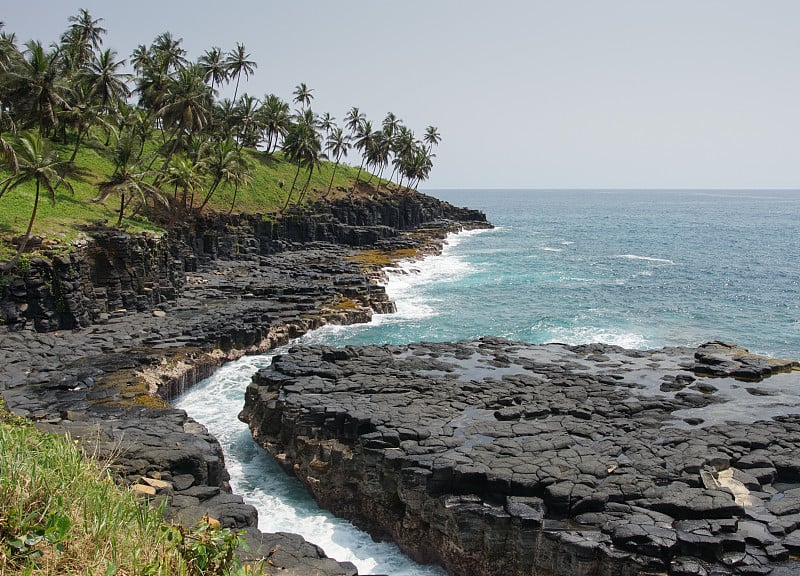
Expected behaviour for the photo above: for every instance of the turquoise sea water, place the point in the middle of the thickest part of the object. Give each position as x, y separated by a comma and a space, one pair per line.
640, 269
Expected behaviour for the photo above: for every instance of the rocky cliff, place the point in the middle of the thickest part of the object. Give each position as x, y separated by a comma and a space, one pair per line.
112, 273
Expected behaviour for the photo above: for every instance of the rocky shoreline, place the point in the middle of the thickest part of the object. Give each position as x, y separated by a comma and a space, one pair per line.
494, 457
95, 344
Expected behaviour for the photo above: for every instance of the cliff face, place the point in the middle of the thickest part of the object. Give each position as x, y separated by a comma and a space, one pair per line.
114, 273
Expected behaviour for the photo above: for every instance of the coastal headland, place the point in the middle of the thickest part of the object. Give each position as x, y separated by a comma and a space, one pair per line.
488, 457
95, 344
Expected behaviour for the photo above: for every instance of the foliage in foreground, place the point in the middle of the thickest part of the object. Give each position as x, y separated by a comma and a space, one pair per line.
61, 513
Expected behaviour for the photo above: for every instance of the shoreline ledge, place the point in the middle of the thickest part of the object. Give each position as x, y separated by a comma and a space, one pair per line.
493, 457
96, 343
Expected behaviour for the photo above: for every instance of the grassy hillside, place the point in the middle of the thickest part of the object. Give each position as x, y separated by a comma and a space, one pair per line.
61, 513
66, 220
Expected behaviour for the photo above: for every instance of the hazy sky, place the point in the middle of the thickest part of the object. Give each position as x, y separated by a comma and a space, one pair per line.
536, 93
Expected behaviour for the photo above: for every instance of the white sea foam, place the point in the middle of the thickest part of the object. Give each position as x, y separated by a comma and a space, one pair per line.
282, 503
591, 334
646, 258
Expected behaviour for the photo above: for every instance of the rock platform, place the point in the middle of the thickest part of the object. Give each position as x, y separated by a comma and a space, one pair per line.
109, 385
493, 457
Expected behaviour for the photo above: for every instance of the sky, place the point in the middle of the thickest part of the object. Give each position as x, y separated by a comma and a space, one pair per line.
525, 93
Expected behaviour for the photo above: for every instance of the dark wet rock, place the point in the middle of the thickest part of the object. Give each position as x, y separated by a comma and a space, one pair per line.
94, 344
497, 457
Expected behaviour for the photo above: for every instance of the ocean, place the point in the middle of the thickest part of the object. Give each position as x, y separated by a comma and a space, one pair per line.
640, 269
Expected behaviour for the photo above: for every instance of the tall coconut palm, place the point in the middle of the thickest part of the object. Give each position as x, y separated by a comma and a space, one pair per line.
224, 162
327, 123
212, 62
432, 137
353, 121
378, 153
168, 53
129, 178
237, 63
338, 145
9, 53
303, 95
38, 163
302, 146
402, 145
36, 87
249, 124
187, 106
107, 84
363, 142
84, 36
274, 116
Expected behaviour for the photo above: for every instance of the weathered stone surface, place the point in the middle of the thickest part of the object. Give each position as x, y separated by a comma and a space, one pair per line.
497, 457
157, 315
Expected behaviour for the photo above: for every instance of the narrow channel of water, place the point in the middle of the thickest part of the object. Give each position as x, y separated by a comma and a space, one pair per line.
283, 503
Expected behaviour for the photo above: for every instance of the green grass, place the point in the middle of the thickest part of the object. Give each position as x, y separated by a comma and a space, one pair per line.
61, 513
69, 217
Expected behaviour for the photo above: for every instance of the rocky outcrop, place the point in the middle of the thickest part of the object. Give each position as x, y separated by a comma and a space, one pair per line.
108, 385
115, 273
494, 457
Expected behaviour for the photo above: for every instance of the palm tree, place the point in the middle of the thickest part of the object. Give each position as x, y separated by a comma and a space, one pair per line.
274, 116
302, 146
378, 153
188, 176
402, 145
168, 53
363, 142
225, 162
338, 144
249, 125
327, 123
128, 178
187, 106
213, 65
237, 63
106, 84
353, 121
36, 87
390, 124
432, 137
9, 53
37, 163
84, 36
8, 155
303, 95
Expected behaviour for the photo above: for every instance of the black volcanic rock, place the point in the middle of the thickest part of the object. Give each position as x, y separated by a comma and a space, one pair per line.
497, 457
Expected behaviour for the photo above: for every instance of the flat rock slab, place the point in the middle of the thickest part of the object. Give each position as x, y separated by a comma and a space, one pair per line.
498, 457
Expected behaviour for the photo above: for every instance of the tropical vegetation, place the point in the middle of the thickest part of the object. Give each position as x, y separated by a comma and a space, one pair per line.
151, 136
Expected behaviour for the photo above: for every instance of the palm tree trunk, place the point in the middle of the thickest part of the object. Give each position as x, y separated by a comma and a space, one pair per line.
330, 184
357, 175
121, 208
291, 190
235, 192
78, 138
305, 187
210, 194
